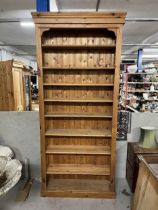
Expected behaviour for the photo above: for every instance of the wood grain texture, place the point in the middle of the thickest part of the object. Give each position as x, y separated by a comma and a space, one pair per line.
80, 107
77, 115
12, 86
146, 193
78, 149
79, 62
81, 17
79, 188
78, 68
78, 169
79, 132
95, 100
7, 96
77, 141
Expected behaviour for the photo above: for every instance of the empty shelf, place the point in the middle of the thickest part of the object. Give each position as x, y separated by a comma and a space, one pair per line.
78, 68
78, 149
78, 115
85, 169
79, 132
79, 188
83, 85
78, 47
79, 100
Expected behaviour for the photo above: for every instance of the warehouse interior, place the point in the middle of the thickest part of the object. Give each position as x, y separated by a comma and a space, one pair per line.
22, 112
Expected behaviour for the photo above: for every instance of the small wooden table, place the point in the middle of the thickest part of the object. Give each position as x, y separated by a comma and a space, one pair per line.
132, 163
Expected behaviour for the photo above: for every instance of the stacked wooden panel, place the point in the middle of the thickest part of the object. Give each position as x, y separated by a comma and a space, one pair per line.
7, 102
78, 58
12, 97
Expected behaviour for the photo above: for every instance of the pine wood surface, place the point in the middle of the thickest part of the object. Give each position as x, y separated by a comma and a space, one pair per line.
146, 193
79, 188
78, 149
78, 68
78, 169
78, 58
79, 85
78, 132
12, 88
78, 115
79, 100
7, 102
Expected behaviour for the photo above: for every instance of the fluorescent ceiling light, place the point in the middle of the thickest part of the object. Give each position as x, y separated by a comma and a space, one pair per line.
151, 50
150, 56
27, 24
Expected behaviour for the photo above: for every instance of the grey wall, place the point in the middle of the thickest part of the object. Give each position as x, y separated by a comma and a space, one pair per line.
139, 120
20, 131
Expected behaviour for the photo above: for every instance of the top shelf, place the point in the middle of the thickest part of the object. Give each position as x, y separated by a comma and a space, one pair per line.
78, 47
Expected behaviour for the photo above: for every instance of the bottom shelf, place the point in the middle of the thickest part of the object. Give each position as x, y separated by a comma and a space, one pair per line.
79, 188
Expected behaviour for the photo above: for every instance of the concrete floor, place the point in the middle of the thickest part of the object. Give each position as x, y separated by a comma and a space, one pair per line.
35, 202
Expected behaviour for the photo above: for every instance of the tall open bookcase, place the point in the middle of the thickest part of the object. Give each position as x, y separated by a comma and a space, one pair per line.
78, 56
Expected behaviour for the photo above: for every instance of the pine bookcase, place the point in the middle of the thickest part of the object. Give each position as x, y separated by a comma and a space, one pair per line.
78, 56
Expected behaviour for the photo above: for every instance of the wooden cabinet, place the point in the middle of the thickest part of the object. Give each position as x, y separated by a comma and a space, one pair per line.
12, 86
78, 57
132, 164
146, 193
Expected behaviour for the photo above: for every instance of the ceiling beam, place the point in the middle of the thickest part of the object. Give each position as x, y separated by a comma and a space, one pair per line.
26, 54
142, 19
144, 43
14, 20
16, 45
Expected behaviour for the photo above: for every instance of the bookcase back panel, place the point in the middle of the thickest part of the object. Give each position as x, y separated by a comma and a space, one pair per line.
79, 176
72, 123
78, 141
53, 76
60, 107
78, 93
76, 58
78, 37
78, 159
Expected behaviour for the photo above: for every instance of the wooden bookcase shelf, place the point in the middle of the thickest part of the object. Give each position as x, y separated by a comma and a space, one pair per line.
84, 85
79, 132
79, 100
78, 115
83, 169
78, 47
78, 68
80, 188
78, 149
78, 56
